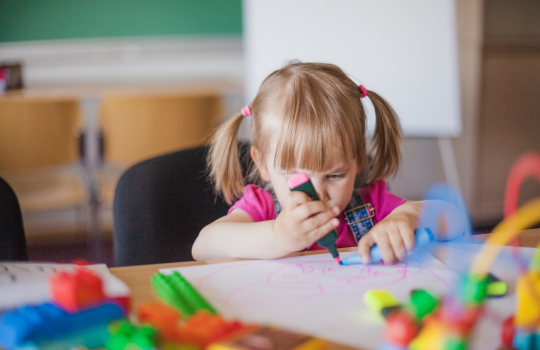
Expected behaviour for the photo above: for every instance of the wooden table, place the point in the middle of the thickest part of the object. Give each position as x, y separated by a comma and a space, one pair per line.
138, 277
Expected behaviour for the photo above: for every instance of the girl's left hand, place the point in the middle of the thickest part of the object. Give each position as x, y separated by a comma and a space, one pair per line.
394, 234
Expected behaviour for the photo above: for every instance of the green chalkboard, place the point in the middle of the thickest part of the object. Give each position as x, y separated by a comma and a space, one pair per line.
22, 20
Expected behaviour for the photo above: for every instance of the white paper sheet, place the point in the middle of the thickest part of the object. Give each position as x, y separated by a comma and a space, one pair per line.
314, 295
26, 283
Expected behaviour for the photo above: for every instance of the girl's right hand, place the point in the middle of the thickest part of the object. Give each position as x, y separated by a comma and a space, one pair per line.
303, 221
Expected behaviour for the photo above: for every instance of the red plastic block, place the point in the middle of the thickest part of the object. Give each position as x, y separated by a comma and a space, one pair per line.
401, 328
203, 329
161, 316
508, 331
75, 290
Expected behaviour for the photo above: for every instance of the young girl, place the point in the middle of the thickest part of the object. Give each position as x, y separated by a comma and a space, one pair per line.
308, 117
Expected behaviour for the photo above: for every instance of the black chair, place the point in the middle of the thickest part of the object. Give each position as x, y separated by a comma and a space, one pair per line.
12, 239
161, 205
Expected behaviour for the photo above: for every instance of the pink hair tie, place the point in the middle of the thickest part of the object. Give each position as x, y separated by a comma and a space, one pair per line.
363, 91
246, 111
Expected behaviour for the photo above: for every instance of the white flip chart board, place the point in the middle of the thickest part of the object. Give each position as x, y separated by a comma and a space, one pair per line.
404, 50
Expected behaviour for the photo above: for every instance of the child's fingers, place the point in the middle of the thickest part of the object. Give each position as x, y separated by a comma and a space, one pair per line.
320, 219
397, 245
322, 230
295, 198
364, 246
407, 234
310, 209
383, 241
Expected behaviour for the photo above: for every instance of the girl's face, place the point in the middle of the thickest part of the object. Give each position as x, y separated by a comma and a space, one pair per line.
334, 186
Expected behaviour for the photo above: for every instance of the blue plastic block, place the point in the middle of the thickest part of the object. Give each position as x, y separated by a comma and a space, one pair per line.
523, 340
92, 338
48, 322
388, 346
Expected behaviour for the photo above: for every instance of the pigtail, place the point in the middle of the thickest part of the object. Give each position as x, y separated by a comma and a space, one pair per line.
386, 140
223, 162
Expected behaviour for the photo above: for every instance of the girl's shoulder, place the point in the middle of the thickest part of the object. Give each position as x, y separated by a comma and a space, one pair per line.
257, 203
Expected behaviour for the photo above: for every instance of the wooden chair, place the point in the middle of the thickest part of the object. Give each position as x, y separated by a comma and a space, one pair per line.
140, 126
39, 152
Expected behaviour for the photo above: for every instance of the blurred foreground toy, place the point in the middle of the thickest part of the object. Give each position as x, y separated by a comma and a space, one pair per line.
48, 325
266, 338
176, 291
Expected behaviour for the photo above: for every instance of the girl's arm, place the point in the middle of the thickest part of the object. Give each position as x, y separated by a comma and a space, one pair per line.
395, 233
300, 223
237, 236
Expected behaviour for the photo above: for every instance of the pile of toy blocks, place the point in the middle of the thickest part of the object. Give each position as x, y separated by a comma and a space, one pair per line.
81, 316
426, 322
521, 331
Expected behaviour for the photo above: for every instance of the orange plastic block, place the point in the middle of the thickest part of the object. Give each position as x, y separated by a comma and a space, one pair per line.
203, 328
161, 316
75, 290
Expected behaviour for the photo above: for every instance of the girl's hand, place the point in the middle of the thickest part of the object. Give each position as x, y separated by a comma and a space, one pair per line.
394, 234
302, 221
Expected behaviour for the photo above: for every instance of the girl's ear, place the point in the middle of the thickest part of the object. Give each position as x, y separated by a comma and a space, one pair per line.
260, 164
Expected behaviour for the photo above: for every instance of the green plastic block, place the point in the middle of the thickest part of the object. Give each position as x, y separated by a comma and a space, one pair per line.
497, 289
124, 335
474, 289
171, 295
455, 344
376, 300
176, 291
422, 303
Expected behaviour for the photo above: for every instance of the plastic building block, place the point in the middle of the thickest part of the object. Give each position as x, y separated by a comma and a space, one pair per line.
474, 289
496, 288
401, 328
177, 346
161, 316
387, 311
455, 344
523, 340
460, 321
534, 265
431, 337
269, 339
376, 300
123, 335
91, 338
508, 331
35, 324
176, 291
528, 308
75, 290
422, 303
204, 328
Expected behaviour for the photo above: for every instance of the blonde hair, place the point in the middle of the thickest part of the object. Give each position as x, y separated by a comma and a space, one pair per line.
308, 109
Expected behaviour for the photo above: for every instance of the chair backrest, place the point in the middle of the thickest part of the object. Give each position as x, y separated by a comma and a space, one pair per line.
38, 132
12, 239
138, 127
162, 204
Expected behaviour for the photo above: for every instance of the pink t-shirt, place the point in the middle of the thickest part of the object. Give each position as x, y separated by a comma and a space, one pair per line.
259, 205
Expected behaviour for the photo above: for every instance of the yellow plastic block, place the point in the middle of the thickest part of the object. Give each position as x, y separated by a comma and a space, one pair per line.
431, 337
527, 306
376, 300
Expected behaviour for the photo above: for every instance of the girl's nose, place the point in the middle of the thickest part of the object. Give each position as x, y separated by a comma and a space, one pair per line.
320, 188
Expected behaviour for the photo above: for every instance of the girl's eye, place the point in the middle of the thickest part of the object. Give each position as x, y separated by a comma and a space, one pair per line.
336, 176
